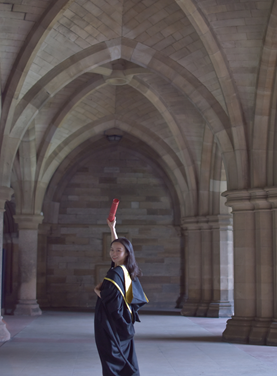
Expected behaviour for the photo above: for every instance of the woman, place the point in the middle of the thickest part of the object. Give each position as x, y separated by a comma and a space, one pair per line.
120, 296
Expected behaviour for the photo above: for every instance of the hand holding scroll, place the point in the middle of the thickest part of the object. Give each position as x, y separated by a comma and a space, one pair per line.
113, 210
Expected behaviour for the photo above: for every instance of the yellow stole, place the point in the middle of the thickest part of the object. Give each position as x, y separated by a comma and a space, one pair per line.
128, 297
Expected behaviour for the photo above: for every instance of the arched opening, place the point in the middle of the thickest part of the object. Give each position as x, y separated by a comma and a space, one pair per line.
74, 238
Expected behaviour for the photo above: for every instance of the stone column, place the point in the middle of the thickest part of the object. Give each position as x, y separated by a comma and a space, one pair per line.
263, 267
5, 194
271, 338
28, 239
209, 266
192, 266
43, 233
222, 265
252, 288
205, 266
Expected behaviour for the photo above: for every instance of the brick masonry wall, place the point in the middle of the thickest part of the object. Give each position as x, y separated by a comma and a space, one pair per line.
78, 245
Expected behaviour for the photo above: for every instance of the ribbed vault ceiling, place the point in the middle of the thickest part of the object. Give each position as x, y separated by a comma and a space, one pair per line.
177, 75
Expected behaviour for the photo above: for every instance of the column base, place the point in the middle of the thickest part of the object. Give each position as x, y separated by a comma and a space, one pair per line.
238, 329
189, 309
27, 308
259, 331
4, 333
220, 309
202, 310
271, 338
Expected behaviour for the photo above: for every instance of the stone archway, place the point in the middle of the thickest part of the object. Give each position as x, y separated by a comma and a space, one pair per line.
74, 237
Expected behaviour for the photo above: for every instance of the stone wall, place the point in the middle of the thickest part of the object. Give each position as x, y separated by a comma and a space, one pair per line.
10, 260
74, 252
10, 285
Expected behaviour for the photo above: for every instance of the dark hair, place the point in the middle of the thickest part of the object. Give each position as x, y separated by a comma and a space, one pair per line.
130, 261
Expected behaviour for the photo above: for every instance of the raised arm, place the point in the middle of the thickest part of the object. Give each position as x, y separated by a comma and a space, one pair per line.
112, 228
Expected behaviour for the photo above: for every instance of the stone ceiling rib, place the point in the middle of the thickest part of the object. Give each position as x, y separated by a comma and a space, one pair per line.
170, 32
263, 135
130, 104
169, 158
82, 25
160, 25
240, 28
144, 115
16, 22
162, 39
96, 105
185, 82
103, 53
182, 149
66, 123
229, 88
47, 113
24, 59
60, 116
84, 153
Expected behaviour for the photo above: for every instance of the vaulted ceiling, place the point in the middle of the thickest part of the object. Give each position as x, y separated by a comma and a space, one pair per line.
180, 76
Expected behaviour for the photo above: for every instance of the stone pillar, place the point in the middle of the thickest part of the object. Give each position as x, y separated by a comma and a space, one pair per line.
28, 239
42, 297
181, 298
192, 266
208, 266
253, 270
5, 194
271, 338
263, 267
238, 328
205, 266
222, 265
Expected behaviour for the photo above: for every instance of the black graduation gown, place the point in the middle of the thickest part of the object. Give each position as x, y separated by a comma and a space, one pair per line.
113, 324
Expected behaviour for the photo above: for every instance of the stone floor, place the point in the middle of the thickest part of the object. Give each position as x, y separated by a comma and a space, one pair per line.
62, 344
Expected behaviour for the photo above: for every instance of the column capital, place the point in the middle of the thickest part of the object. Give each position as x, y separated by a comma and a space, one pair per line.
247, 199
259, 198
194, 223
272, 196
5, 195
207, 222
238, 200
220, 220
28, 221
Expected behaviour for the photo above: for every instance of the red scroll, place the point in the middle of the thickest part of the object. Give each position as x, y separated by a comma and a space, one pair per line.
113, 210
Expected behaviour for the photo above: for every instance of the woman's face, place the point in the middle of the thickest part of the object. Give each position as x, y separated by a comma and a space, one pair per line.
118, 253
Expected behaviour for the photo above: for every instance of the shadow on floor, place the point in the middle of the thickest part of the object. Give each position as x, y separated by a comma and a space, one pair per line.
212, 339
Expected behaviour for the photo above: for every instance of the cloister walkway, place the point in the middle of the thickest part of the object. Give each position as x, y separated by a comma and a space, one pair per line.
62, 344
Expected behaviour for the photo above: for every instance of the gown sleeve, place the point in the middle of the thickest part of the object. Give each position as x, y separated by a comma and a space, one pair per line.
117, 310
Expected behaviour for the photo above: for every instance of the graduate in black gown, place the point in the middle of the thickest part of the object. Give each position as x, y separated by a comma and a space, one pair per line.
120, 296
